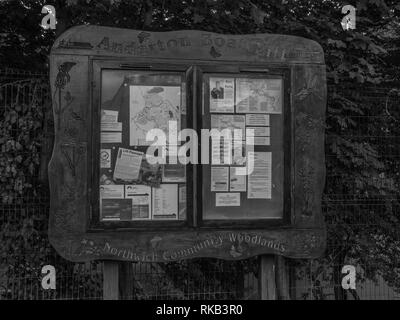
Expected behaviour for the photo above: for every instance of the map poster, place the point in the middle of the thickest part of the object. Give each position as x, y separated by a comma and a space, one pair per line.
258, 95
259, 181
165, 202
228, 121
127, 165
152, 107
222, 95
141, 201
219, 178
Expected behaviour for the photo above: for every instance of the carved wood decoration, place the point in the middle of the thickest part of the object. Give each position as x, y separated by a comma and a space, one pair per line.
70, 167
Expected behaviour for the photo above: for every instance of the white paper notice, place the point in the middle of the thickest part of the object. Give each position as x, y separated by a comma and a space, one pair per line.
219, 178
258, 95
257, 119
259, 181
109, 116
221, 153
260, 131
105, 158
112, 191
236, 182
111, 126
165, 202
141, 200
222, 95
127, 166
227, 199
111, 137
152, 107
182, 202
261, 141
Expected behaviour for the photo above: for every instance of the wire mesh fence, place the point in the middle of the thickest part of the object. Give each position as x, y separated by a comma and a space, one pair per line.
352, 210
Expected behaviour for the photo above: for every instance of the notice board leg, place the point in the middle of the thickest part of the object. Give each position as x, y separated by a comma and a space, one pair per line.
110, 280
126, 279
282, 278
267, 284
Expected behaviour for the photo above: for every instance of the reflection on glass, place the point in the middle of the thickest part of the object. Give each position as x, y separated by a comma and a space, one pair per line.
252, 105
132, 104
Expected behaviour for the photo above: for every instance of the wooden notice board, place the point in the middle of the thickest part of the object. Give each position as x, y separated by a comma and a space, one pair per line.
112, 88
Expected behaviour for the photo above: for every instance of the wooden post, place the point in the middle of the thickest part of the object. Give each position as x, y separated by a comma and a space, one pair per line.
110, 280
126, 280
282, 278
266, 281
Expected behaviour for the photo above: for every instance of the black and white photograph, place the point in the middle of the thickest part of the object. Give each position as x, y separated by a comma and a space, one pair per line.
208, 156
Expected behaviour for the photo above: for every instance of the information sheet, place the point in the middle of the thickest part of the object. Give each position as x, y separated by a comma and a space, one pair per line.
105, 158
219, 178
257, 119
222, 95
165, 202
152, 107
127, 166
259, 181
227, 199
110, 137
236, 182
141, 201
112, 191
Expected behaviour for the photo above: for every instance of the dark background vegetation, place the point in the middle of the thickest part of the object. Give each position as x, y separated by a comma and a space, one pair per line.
361, 199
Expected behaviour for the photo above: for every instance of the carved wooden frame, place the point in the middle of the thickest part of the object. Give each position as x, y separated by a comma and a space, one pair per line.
70, 209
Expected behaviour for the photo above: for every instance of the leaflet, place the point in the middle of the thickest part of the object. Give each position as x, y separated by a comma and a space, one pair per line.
165, 202
109, 116
259, 181
260, 141
236, 182
174, 172
260, 131
257, 119
111, 191
105, 158
127, 166
141, 201
222, 95
116, 209
219, 178
111, 126
111, 137
182, 202
227, 199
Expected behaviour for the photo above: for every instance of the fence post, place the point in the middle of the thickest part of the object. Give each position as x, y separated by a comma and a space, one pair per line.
110, 280
126, 279
282, 278
266, 277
